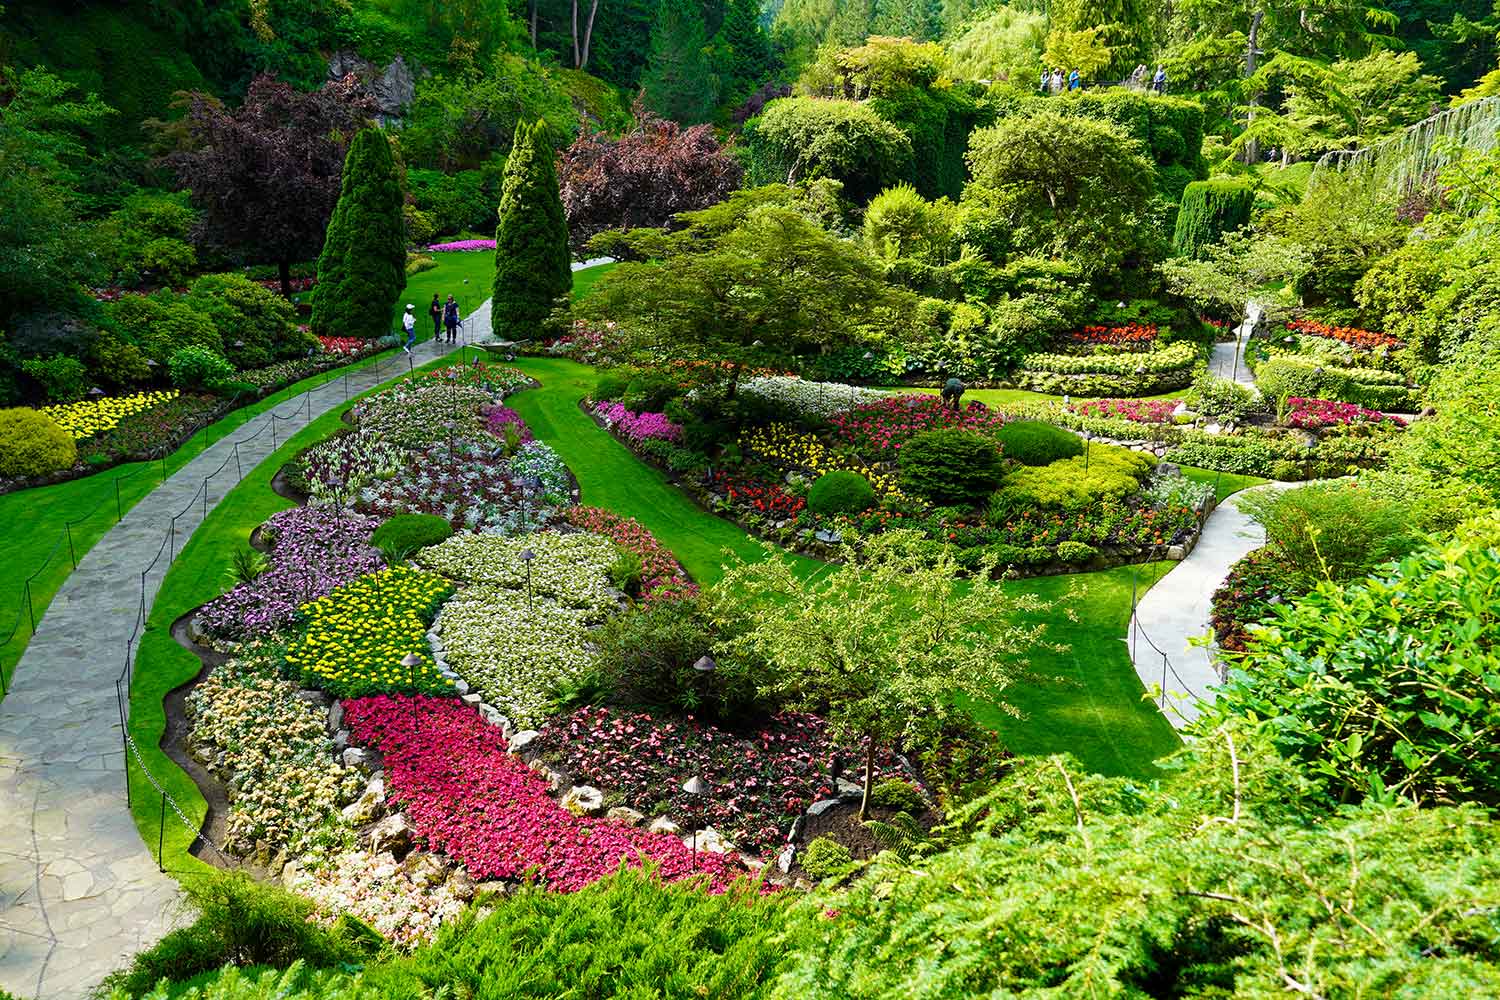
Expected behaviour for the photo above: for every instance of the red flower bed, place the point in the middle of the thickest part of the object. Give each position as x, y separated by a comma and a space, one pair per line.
759, 782
1311, 414
662, 576
343, 345
469, 797
296, 284
1137, 336
1351, 335
1141, 411
768, 498
878, 430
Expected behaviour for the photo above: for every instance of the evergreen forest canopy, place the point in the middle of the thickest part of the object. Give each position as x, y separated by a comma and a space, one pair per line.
1065, 205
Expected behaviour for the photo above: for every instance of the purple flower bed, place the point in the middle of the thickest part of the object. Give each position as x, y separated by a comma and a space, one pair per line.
500, 417
638, 426
462, 246
314, 550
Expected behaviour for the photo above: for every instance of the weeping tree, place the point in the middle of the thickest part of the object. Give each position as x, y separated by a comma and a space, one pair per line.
362, 269
533, 269
1210, 209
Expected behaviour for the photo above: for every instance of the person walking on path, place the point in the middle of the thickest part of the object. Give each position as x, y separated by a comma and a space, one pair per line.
1057, 81
436, 312
409, 324
1043, 86
450, 319
1159, 80
1075, 82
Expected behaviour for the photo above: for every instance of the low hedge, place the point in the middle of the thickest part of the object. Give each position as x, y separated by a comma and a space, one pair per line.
1286, 375
1183, 354
840, 492
1097, 384
410, 532
1032, 442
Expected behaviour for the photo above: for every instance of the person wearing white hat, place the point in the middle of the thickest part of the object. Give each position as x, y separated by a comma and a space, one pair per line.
409, 324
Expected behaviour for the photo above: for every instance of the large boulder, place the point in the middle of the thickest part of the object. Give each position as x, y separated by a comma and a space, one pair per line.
626, 815
392, 88
394, 834
583, 800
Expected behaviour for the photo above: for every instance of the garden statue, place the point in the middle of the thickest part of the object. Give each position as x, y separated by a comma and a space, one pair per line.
953, 390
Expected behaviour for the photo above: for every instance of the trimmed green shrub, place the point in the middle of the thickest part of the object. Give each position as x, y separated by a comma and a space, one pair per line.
362, 269
406, 533
256, 325
170, 260
1333, 531
611, 386
198, 367
823, 858
1210, 209
61, 377
806, 138
1107, 473
163, 324
902, 796
1220, 399
647, 655
116, 361
840, 493
533, 265
33, 444
949, 465
1075, 552
1287, 375
1032, 442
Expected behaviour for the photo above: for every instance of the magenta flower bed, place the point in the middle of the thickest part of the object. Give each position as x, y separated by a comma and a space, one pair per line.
760, 781
878, 430
469, 797
1310, 414
638, 426
461, 246
497, 418
1141, 411
315, 551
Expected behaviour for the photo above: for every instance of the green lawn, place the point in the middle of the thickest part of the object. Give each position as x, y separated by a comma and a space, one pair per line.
1226, 483
1009, 397
584, 281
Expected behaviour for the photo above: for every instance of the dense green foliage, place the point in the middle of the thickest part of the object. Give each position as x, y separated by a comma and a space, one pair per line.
840, 493
1032, 442
362, 269
32, 444
950, 465
532, 265
806, 138
1104, 472
406, 533
1331, 531
1210, 209
677, 83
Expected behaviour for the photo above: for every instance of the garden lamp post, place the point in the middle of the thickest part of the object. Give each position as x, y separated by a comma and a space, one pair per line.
526, 557
1088, 437
705, 666
697, 788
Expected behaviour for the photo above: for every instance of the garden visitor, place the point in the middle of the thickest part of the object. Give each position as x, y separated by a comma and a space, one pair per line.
1043, 86
1057, 81
953, 391
1159, 80
436, 312
409, 324
450, 318
1075, 82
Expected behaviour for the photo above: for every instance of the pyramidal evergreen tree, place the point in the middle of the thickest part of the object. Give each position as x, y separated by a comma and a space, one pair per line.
533, 271
362, 269
679, 82
742, 49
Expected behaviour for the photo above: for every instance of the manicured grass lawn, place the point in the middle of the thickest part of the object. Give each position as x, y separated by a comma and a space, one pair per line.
1228, 483
448, 278
584, 281
1009, 397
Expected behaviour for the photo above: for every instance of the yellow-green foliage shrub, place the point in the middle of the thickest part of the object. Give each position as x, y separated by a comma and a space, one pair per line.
1105, 473
33, 444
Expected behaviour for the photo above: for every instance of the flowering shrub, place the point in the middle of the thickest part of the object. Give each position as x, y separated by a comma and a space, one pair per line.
878, 430
1140, 411
461, 246
499, 379
765, 498
760, 782
272, 752
337, 469
572, 570
314, 550
344, 346
638, 426
1132, 336
354, 639
818, 400
786, 447
661, 575
591, 345
281, 373
94, 416
469, 797
406, 911
1351, 335
1311, 414
1245, 596
296, 284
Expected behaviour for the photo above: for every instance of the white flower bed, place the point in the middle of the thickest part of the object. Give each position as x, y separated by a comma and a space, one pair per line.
572, 570
810, 399
377, 890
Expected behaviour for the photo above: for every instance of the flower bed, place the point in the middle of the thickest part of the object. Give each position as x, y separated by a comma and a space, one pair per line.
336, 470
406, 910
572, 570
417, 413
1163, 369
469, 797
878, 430
461, 246
89, 417
1313, 414
771, 499
807, 399
1138, 411
1351, 335
1133, 337
537, 461
272, 752
498, 418
314, 551
760, 782
637, 426
786, 447
661, 575
499, 379
1245, 597
344, 346
471, 485
353, 640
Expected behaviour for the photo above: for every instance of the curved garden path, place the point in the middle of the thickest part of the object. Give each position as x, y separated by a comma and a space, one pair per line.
79, 890
1175, 611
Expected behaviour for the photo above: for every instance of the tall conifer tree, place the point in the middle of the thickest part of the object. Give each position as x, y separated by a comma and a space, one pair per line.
678, 82
533, 269
742, 49
362, 269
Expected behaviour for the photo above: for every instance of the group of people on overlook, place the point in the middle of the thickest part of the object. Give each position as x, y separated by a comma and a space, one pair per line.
1054, 82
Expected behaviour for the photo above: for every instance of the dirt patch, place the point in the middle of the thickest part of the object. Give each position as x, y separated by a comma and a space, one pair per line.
284, 488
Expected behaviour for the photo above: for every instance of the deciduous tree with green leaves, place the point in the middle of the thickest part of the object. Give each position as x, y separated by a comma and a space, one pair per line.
362, 269
533, 268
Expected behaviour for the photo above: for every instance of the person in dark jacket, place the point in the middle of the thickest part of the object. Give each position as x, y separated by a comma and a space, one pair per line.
450, 319
435, 311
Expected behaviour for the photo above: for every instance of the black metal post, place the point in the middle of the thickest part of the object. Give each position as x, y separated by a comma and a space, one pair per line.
30, 611
161, 834
239, 470
119, 510
68, 529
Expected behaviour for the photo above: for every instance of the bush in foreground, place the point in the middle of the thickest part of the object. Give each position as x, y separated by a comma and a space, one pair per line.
1032, 442
406, 533
33, 444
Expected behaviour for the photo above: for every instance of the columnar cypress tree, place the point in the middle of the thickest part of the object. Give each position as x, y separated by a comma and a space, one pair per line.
742, 50
362, 269
533, 270
678, 82
1210, 209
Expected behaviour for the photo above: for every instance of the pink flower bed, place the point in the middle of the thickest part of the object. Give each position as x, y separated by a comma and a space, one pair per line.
661, 576
1141, 411
462, 246
638, 426
469, 797
497, 418
1310, 414
878, 430
343, 345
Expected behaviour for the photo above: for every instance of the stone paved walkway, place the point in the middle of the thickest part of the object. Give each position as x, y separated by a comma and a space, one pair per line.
1176, 611
1228, 360
79, 891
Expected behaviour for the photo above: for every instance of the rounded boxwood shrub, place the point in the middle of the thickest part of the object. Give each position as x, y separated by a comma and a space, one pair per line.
409, 532
33, 444
1032, 442
950, 466
824, 858
840, 493
611, 386
195, 367
902, 796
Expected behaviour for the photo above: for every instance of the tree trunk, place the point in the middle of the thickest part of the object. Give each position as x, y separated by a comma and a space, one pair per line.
588, 33
284, 271
576, 63
1252, 148
533, 23
864, 802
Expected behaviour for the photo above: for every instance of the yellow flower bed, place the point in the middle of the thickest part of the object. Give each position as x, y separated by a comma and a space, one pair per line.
786, 447
353, 640
95, 416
